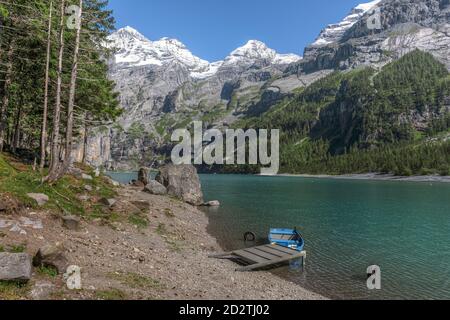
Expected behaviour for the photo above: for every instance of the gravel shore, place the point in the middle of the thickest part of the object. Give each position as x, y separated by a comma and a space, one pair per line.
168, 259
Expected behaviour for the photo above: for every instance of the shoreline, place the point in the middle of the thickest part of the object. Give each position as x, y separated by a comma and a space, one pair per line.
168, 258
270, 273
373, 177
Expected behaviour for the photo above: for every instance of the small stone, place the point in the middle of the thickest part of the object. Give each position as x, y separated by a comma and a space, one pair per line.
71, 222
86, 177
213, 203
51, 256
115, 183
15, 267
142, 205
108, 202
112, 182
84, 198
138, 184
155, 188
42, 291
88, 188
40, 198
73, 278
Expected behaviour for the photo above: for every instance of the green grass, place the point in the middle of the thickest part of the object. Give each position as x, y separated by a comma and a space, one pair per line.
13, 249
138, 221
48, 272
111, 295
171, 239
161, 229
136, 281
18, 180
18, 249
10, 290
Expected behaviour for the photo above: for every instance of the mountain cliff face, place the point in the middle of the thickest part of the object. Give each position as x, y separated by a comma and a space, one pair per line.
379, 32
163, 86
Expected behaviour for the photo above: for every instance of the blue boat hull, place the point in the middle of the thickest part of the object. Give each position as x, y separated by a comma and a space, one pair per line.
289, 238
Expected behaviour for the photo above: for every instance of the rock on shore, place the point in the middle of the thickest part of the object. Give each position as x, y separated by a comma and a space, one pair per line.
15, 267
182, 181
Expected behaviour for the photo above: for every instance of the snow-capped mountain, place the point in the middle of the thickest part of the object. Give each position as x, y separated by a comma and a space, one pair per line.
255, 50
164, 86
334, 32
135, 50
405, 25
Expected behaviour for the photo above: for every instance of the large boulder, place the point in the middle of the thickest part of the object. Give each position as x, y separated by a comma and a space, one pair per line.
156, 188
183, 182
143, 176
15, 267
52, 256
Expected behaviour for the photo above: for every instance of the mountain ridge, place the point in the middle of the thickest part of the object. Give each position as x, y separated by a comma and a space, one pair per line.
158, 98
135, 50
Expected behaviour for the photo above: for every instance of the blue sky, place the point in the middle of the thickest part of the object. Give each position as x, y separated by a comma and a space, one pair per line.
211, 29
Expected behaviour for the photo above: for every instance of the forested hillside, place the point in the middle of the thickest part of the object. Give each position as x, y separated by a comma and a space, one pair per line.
393, 120
53, 78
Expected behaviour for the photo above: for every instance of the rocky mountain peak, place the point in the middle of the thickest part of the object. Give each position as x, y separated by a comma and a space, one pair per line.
135, 50
334, 32
255, 50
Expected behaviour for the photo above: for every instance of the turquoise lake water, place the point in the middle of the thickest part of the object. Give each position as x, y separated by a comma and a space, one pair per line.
403, 227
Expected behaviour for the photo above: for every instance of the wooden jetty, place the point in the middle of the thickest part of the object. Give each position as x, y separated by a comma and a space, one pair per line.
262, 256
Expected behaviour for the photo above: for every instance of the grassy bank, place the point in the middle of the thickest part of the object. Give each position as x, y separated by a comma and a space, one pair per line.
18, 179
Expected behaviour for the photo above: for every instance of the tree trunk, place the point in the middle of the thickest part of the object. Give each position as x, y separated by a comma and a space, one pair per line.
54, 165
85, 139
16, 132
70, 107
5, 102
45, 112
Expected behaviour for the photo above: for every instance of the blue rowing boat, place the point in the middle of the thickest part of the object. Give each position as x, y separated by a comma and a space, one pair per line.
289, 238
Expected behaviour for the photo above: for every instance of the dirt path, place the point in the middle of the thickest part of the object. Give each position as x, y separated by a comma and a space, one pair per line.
167, 259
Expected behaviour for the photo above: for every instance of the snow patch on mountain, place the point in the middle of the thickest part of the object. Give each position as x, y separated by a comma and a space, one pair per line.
132, 49
335, 32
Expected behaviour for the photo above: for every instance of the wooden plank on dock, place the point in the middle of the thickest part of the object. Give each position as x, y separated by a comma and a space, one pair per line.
272, 251
265, 254
262, 256
250, 257
269, 263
